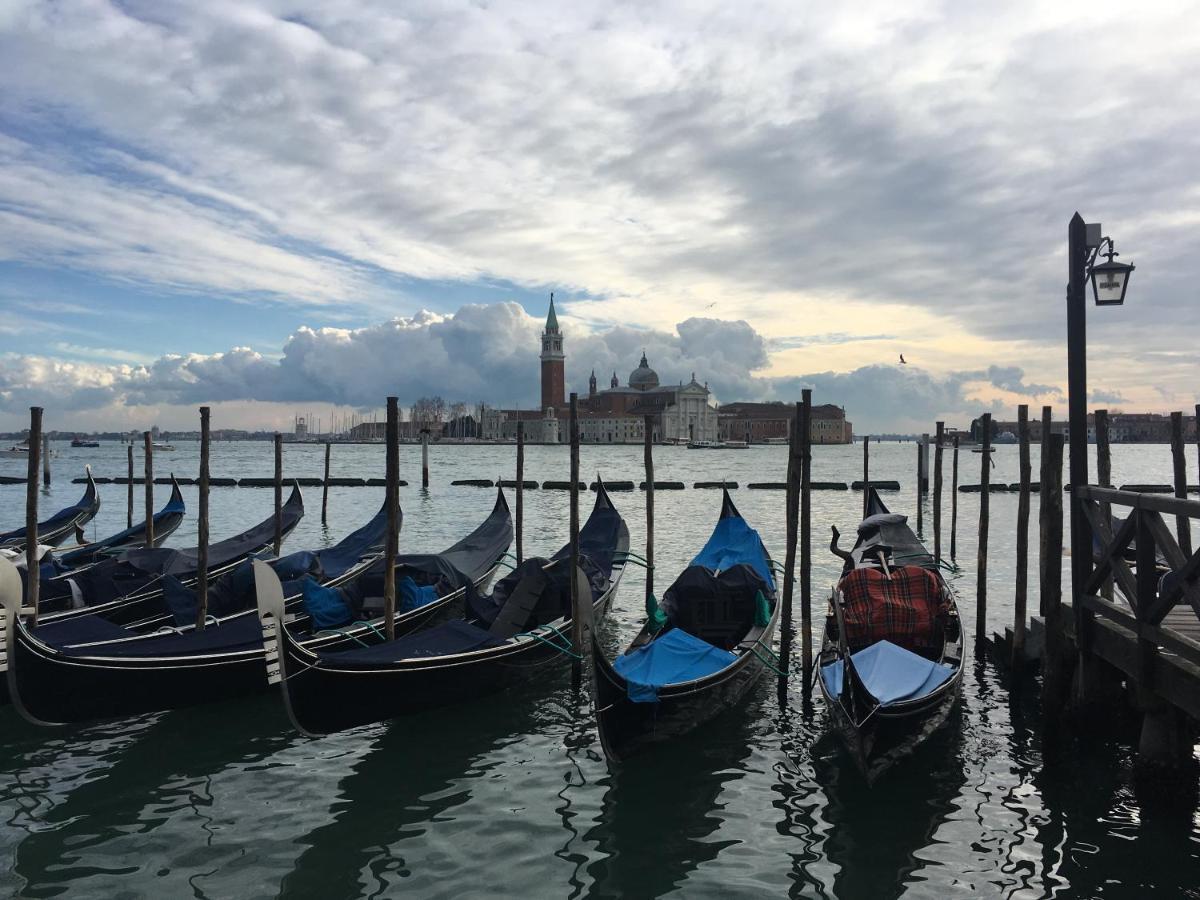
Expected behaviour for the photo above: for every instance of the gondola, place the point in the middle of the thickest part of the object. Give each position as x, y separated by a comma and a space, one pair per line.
513, 634
63, 524
700, 652
891, 660
130, 587
89, 668
166, 520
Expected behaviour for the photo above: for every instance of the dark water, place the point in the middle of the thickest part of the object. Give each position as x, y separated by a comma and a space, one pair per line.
511, 797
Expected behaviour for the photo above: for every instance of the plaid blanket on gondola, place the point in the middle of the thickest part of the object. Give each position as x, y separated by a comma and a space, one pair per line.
904, 609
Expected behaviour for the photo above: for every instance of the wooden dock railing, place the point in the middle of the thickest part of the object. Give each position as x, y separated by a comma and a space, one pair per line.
1150, 629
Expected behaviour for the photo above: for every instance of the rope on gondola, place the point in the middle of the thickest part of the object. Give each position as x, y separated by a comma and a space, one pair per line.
767, 662
364, 624
545, 640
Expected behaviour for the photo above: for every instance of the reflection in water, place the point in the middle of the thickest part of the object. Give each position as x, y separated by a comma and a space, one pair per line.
661, 809
162, 765
416, 774
875, 834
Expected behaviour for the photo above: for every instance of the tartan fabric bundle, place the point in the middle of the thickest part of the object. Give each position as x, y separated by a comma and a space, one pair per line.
903, 609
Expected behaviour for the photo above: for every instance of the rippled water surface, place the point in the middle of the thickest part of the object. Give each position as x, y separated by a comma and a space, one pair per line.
511, 797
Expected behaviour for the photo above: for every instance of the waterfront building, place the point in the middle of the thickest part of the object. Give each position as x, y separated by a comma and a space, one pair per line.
771, 421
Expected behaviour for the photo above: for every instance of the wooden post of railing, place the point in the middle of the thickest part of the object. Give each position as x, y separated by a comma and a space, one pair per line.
1055, 661
129, 487
202, 526
577, 601
1022, 588
985, 490
32, 565
939, 436
278, 493
46, 460
866, 472
1183, 527
1104, 479
520, 523
954, 502
648, 458
149, 473
392, 498
1198, 444
325, 486
806, 538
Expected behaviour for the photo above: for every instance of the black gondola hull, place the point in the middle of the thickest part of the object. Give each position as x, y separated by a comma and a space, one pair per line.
627, 727
51, 688
373, 695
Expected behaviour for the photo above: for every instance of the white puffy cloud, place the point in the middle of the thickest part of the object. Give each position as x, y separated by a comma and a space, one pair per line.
483, 353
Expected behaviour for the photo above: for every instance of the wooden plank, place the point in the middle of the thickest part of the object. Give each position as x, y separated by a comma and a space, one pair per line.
1171, 506
1112, 559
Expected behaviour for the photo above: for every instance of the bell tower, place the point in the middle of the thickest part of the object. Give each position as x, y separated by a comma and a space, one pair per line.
553, 363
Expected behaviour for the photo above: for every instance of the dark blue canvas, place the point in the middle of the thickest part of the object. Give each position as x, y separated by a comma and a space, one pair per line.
669, 659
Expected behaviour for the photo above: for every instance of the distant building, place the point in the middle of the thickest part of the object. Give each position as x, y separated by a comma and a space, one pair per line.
1123, 428
762, 422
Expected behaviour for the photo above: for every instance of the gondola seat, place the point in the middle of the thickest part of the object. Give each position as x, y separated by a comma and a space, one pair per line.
905, 606
673, 657
718, 608
891, 673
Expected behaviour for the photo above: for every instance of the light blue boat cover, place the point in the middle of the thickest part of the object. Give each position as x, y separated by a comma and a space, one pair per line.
674, 657
891, 673
733, 541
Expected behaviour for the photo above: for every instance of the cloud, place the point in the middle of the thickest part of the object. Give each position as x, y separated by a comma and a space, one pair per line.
1012, 379
1103, 396
482, 353
660, 153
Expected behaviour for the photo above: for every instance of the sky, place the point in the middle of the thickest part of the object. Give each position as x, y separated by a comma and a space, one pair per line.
283, 208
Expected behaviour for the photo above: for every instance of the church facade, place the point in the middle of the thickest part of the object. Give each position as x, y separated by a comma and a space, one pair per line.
615, 415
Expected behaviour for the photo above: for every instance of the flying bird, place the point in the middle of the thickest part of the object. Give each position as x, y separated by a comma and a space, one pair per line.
711, 305
903, 361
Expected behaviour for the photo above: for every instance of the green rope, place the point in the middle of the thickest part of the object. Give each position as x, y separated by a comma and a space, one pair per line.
379, 634
545, 640
768, 664
343, 633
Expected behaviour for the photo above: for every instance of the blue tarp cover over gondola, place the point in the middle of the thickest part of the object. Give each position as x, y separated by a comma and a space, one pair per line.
670, 659
733, 542
891, 673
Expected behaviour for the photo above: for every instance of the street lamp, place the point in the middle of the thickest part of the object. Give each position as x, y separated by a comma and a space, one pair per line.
1109, 281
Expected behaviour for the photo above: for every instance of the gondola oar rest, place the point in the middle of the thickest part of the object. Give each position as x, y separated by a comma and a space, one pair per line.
519, 605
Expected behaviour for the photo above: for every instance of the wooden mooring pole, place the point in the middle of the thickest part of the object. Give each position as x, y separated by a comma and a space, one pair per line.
149, 473
32, 566
202, 525
954, 502
1104, 479
325, 486
866, 473
1183, 527
1022, 588
920, 491
1055, 662
392, 479
1043, 502
806, 538
985, 488
520, 523
648, 458
46, 460
129, 486
577, 601
278, 493
939, 436
425, 458
791, 528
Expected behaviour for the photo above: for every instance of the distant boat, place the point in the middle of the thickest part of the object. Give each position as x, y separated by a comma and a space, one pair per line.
82, 442
717, 445
16, 451
1005, 437
162, 445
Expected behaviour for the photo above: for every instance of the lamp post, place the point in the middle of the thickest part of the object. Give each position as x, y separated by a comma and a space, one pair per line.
1109, 282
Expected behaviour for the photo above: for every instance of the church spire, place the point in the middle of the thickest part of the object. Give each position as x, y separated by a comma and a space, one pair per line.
551, 318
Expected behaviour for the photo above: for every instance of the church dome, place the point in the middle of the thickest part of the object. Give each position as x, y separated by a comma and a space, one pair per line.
643, 378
